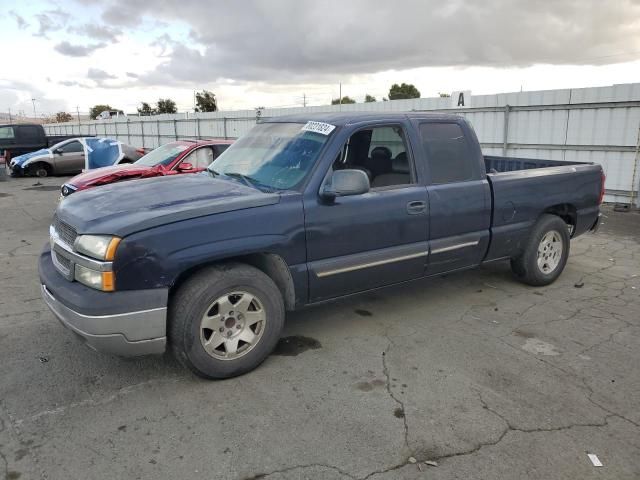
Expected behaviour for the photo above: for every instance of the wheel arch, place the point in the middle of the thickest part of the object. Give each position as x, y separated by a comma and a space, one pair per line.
566, 211
33, 166
274, 266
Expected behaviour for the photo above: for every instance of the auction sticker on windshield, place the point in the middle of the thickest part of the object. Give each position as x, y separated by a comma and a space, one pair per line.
319, 127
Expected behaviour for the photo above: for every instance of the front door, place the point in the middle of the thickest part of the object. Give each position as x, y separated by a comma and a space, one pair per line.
379, 238
69, 158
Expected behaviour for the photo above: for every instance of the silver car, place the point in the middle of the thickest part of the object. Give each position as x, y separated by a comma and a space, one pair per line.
64, 158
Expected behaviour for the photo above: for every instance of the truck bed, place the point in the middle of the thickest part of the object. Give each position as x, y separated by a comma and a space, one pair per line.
496, 164
521, 188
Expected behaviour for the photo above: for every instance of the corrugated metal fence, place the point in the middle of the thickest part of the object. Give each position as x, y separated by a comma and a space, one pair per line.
600, 124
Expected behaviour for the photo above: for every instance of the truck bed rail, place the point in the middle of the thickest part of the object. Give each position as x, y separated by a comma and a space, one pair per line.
496, 164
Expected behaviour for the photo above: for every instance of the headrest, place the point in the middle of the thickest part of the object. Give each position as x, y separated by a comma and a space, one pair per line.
381, 152
400, 164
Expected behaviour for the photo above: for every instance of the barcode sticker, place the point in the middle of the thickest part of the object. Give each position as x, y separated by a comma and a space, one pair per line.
319, 127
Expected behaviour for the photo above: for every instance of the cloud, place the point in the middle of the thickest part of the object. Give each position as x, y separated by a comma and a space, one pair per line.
22, 23
99, 75
17, 95
70, 50
103, 33
132, 75
51, 21
73, 83
283, 40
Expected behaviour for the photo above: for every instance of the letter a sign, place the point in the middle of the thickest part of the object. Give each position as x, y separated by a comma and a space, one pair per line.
461, 99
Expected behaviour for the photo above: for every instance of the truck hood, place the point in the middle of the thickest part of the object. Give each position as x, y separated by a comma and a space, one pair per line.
127, 207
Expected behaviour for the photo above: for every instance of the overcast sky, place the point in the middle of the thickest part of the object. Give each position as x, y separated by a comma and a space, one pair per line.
68, 53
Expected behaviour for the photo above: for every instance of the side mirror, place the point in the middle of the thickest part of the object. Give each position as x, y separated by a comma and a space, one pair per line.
185, 167
57, 152
344, 183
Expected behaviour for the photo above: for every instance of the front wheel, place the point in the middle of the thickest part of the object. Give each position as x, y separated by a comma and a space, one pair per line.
225, 320
40, 170
545, 254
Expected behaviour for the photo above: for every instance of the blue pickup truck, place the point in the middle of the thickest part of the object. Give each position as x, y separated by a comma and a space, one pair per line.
301, 210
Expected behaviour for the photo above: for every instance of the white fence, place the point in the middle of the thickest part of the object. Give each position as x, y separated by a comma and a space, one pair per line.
600, 124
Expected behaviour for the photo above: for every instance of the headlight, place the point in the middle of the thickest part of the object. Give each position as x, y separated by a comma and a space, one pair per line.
94, 279
66, 190
101, 247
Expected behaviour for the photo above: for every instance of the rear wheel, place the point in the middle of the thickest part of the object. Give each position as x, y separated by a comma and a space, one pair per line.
225, 320
545, 254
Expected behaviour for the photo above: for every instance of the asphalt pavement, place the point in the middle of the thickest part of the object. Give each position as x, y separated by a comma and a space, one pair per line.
478, 375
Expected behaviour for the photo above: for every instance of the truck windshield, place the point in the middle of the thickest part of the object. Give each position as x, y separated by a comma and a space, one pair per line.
163, 155
275, 156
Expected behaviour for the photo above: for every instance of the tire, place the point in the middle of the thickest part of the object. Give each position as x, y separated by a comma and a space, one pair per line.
40, 170
538, 269
212, 292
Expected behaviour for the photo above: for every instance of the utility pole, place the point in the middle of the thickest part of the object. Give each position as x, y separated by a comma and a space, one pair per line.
304, 99
10, 121
33, 101
78, 112
340, 96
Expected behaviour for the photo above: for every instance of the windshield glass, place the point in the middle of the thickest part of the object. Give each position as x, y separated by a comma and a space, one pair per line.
163, 155
277, 156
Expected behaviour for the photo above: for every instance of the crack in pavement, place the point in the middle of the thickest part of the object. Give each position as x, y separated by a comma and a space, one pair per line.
92, 402
385, 371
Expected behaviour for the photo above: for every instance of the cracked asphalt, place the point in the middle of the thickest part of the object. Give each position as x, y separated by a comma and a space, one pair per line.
486, 377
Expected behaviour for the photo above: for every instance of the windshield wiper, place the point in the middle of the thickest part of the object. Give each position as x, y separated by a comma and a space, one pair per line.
249, 181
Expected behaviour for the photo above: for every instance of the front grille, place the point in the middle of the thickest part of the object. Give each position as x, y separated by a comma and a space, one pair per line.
65, 231
62, 264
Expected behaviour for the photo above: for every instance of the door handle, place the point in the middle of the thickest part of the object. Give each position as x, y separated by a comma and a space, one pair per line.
416, 207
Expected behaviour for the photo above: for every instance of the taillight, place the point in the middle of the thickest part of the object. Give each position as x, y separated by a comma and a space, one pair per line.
603, 177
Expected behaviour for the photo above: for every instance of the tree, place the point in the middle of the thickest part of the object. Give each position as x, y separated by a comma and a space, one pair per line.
145, 110
345, 100
62, 117
166, 105
98, 109
406, 90
206, 101
369, 98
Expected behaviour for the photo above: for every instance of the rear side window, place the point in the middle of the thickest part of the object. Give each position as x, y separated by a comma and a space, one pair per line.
447, 152
6, 132
29, 132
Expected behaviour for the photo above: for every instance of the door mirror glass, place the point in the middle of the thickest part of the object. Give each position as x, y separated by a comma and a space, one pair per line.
185, 167
345, 183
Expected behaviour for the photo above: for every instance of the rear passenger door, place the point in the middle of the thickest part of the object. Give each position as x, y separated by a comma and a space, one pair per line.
459, 196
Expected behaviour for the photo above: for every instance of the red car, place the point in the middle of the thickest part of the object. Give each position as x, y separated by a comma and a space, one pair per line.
182, 156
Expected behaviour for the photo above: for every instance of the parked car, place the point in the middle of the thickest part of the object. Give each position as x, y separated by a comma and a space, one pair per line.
18, 139
183, 156
301, 210
64, 158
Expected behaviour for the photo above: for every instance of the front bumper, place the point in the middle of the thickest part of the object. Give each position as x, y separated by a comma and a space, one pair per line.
17, 170
127, 323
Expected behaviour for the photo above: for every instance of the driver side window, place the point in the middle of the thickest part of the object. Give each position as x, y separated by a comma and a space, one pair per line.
381, 152
201, 158
73, 147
